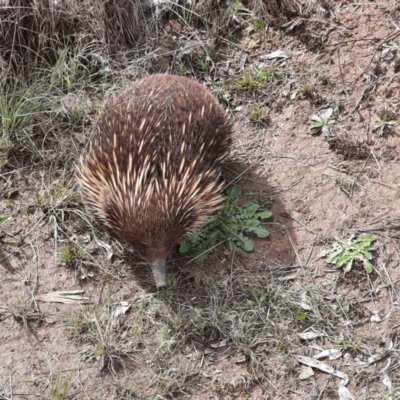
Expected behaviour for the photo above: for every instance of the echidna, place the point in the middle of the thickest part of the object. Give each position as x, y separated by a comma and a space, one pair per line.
151, 173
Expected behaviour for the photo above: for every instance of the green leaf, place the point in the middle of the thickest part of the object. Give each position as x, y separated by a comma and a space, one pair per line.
184, 248
200, 255
317, 125
233, 192
4, 219
367, 240
343, 259
348, 266
249, 223
230, 244
323, 253
249, 208
263, 214
367, 266
247, 245
260, 231
331, 258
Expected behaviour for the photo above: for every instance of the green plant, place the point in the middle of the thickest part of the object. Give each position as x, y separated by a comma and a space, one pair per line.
383, 120
259, 299
353, 345
188, 13
259, 115
299, 315
343, 253
71, 255
258, 24
323, 122
255, 78
307, 86
19, 104
181, 69
4, 219
59, 387
203, 63
230, 224
223, 93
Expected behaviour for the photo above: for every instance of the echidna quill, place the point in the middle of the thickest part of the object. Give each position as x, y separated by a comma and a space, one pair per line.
151, 173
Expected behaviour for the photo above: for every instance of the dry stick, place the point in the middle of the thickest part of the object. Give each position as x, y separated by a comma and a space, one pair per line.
294, 247
392, 284
371, 85
304, 226
310, 253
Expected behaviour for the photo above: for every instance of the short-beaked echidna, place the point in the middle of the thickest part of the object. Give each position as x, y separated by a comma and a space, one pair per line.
151, 173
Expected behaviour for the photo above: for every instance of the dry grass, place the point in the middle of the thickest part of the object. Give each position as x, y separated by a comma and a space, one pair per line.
33, 32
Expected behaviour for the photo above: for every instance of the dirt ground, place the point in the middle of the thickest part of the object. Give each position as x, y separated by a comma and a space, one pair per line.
318, 186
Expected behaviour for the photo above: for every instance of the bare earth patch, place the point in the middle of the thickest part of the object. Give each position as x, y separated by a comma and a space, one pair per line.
274, 323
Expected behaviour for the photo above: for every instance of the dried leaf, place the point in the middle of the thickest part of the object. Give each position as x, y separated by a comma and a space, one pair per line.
305, 373
333, 354
281, 54
378, 356
121, 309
310, 335
311, 362
344, 393
66, 297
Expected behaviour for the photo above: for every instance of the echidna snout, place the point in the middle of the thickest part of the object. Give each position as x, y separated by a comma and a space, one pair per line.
159, 272
151, 175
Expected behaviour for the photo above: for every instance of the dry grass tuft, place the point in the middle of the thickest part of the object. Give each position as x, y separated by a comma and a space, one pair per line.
33, 30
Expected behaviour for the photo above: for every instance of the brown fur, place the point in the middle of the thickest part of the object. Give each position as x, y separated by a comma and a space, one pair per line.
151, 174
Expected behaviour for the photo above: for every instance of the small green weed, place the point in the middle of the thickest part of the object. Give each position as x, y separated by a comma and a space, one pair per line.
258, 24
231, 224
383, 121
299, 315
60, 387
255, 78
307, 86
71, 255
181, 69
258, 300
350, 344
322, 123
343, 253
203, 63
223, 93
259, 115
187, 14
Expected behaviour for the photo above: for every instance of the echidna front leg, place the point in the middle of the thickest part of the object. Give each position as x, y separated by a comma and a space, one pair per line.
160, 275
